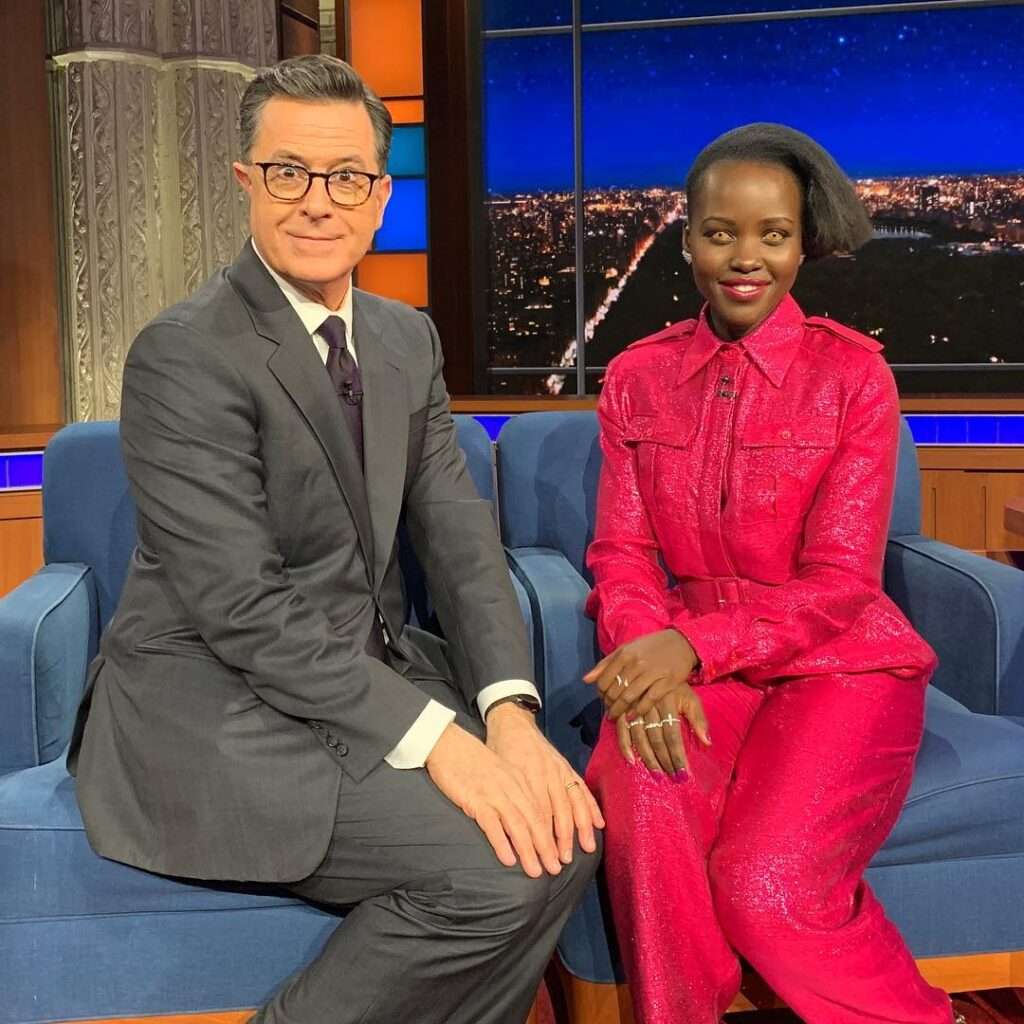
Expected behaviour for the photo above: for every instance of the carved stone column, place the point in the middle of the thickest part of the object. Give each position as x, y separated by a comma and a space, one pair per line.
145, 113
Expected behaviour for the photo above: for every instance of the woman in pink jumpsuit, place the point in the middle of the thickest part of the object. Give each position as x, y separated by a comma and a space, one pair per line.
765, 709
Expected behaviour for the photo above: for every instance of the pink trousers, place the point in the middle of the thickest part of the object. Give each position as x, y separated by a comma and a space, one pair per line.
760, 853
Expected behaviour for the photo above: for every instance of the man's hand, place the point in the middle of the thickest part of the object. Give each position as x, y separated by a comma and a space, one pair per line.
561, 796
497, 797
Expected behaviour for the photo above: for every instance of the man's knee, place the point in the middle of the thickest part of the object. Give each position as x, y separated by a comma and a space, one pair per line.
508, 897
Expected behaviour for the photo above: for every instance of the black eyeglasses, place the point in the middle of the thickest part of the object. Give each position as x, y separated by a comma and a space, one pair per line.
291, 182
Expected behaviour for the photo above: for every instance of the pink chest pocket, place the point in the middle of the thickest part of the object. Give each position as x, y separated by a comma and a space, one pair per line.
666, 445
777, 465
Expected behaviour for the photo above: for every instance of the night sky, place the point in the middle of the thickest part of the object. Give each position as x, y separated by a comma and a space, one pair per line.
911, 93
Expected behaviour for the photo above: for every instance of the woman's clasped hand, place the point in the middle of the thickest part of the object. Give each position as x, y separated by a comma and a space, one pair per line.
645, 687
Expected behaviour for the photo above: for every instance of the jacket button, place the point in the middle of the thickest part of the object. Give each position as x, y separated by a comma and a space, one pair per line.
342, 750
332, 742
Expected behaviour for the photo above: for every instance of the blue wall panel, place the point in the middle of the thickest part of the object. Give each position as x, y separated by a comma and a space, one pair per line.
405, 219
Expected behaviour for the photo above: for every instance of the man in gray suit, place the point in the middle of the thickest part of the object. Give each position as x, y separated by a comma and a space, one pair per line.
259, 710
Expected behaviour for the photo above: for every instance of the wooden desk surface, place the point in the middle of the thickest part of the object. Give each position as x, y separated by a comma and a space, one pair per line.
1013, 518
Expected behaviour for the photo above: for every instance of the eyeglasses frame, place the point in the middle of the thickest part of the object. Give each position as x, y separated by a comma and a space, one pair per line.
265, 166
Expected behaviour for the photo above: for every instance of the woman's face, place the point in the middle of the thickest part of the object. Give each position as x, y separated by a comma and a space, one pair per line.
745, 237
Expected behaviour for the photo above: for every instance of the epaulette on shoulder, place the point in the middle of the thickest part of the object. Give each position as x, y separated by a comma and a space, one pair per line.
846, 333
674, 332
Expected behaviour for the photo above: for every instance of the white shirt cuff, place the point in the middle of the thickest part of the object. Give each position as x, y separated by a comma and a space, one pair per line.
506, 688
413, 749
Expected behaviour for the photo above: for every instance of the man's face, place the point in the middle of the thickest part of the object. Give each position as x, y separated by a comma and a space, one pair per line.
313, 242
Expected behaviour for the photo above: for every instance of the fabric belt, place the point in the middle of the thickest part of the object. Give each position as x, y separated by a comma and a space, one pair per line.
705, 595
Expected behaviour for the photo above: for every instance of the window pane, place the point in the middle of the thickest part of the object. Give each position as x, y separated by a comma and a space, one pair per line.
529, 218
526, 13
923, 110
594, 11
544, 384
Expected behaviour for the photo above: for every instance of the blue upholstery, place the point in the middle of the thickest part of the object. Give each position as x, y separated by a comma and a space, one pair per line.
49, 636
952, 873
88, 513
81, 936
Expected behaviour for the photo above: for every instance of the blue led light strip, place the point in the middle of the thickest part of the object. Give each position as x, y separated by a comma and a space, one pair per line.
24, 470
21, 471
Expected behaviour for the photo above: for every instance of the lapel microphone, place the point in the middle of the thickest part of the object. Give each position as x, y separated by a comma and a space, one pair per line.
350, 393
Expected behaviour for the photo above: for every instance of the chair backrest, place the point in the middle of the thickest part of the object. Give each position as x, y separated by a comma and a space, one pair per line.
905, 520
548, 468
89, 514
88, 511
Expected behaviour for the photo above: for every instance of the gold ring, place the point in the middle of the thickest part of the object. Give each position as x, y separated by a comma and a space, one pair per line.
622, 681
569, 785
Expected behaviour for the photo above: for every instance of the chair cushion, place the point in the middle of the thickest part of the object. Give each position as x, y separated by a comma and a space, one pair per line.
49, 870
968, 791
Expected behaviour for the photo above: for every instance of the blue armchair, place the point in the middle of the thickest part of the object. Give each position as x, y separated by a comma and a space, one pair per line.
81, 936
952, 873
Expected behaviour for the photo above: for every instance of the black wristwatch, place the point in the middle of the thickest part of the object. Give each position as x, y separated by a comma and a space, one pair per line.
522, 700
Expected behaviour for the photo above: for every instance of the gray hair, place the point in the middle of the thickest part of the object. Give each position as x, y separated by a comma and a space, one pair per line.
313, 77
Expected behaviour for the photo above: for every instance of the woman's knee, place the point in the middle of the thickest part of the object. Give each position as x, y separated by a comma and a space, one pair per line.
759, 892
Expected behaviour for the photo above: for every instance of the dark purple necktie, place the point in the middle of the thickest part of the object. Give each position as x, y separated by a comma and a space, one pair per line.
344, 374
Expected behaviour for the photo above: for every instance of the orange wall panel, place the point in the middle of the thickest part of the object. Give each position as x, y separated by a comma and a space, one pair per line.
405, 111
21, 537
386, 45
399, 275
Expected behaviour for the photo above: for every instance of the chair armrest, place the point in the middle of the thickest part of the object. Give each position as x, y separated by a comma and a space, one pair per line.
49, 631
564, 648
971, 610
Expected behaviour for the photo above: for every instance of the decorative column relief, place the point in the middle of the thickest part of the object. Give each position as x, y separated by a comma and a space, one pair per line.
214, 214
146, 96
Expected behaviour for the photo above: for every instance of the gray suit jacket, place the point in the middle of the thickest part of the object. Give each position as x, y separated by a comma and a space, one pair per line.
232, 695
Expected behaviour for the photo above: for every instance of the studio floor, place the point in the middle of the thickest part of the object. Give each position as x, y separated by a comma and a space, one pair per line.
996, 1006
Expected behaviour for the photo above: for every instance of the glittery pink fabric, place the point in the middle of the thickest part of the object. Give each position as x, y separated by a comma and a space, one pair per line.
760, 473
761, 853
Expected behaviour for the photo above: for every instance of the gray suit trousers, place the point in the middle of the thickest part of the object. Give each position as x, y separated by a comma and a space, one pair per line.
440, 932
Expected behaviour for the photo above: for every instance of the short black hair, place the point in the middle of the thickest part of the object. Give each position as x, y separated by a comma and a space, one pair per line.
314, 76
834, 219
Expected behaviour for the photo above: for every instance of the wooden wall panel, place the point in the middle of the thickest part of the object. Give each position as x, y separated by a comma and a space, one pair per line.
30, 379
21, 537
297, 36
999, 489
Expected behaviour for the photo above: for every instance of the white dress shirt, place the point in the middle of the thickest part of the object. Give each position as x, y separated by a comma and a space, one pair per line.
412, 749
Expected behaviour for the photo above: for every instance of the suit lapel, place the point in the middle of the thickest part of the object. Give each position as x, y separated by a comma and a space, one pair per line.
296, 364
385, 425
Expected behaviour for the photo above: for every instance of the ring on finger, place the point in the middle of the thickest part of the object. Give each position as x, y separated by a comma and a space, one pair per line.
569, 785
636, 722
652, 725
622, 681
670, 720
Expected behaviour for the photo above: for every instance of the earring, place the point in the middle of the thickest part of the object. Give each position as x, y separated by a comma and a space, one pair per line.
802, 257
687, 256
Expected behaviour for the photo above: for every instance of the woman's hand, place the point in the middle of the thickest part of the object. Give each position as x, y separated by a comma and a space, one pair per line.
657, 735
644, 685
643, 671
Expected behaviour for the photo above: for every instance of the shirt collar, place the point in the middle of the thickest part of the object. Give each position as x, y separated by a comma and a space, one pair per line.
772, 346
309, 311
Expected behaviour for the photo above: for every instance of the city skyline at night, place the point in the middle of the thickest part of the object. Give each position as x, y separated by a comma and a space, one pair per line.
924, 111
